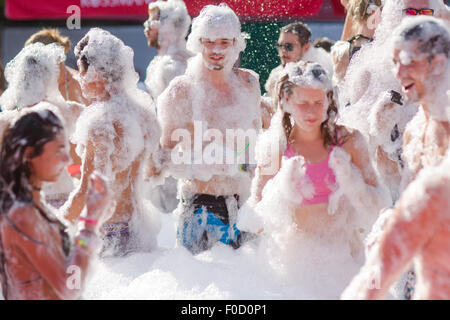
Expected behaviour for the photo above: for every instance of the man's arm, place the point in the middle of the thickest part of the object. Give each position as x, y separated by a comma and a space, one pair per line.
412, 224
77, 199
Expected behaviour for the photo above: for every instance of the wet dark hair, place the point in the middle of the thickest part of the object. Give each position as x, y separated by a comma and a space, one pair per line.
300, 29
34, 130
324, 43
80, 46
430, 43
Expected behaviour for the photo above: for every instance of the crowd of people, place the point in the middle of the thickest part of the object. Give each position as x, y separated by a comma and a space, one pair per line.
347, 147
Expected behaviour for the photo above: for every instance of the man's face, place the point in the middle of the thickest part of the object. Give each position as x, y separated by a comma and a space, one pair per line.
289, 48
412, 72
151, 29
216, 52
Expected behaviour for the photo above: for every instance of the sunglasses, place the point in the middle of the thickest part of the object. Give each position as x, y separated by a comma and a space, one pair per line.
422, 12
289, 47
355, 48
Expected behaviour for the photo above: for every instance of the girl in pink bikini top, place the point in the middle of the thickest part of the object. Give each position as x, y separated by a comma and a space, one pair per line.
321, 176
306, 97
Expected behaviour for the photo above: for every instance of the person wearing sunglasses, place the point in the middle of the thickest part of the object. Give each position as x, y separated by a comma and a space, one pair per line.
420, 218
293, 45
416, 12
436, 8
359, 28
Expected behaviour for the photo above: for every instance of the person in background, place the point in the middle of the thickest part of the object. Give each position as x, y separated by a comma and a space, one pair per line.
68, 84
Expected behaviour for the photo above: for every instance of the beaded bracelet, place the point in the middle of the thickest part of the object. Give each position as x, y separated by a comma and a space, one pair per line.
82, 241
87, 241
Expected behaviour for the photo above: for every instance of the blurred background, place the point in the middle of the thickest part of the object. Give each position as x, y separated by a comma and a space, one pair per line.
261, 19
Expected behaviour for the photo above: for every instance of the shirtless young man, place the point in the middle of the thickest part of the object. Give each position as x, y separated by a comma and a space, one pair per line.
421, 59
115, 135
213, 94
166, 29
417, 229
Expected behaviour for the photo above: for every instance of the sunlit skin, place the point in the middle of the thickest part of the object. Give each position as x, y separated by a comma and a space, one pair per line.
93, 90
218, 78
67, 77
306, 106
285, 57
49, 165
214, 51
354, 25
125, 202
152, 33
297, 53
422, 238
414, 77
38, 269
418, 229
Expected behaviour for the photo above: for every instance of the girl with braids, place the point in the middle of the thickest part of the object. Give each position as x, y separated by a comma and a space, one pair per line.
36, 254
330, 157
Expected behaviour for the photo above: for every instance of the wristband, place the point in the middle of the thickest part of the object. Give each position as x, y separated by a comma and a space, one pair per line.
90, 221
74, 169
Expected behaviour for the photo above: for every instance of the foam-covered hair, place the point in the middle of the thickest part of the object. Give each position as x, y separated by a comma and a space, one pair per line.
431, 34
308, 75
32, 75
174, 20
109, 56
216, 22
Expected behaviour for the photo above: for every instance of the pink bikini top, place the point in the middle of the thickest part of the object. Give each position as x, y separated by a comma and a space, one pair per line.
320, 174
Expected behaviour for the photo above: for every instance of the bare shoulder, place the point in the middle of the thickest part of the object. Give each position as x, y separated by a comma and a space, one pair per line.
25, 221
249, 78
354, 142
75, 107
407, 136
181, 82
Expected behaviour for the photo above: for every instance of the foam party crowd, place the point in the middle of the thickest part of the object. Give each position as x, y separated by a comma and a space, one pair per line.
332, 184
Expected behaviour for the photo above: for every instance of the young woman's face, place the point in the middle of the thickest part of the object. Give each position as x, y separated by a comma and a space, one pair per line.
308, 107
52, 161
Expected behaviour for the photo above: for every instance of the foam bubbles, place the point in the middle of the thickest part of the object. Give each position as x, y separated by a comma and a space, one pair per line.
32, 76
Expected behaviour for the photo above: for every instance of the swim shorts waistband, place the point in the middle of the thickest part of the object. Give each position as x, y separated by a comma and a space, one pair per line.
115, 228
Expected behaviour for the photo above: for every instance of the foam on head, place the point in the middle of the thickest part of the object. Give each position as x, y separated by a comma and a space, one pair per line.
32, 76
216, 22
427, 38
108, 57
308, 75
174, 21
431, 35
305, 75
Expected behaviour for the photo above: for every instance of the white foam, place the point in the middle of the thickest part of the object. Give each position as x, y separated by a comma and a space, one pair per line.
32, 76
